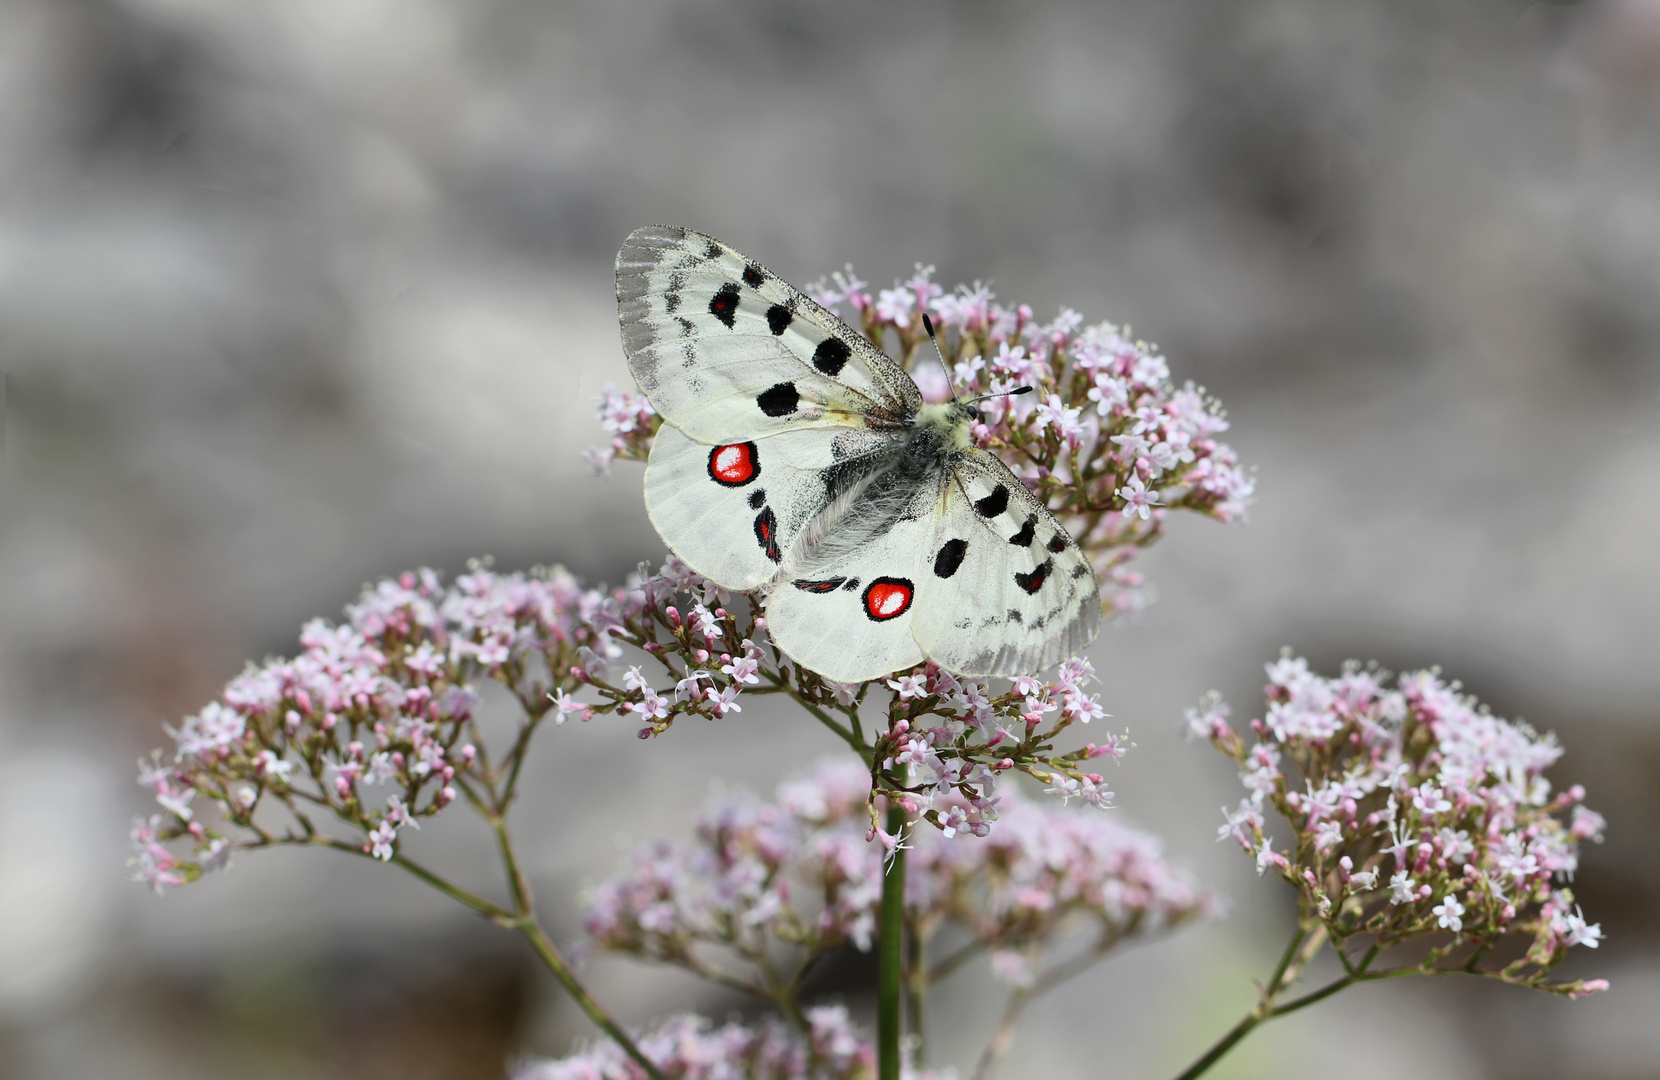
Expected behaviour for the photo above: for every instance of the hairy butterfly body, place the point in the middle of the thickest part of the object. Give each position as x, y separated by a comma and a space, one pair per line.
795, 454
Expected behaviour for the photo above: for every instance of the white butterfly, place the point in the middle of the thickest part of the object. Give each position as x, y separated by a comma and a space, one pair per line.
796, 455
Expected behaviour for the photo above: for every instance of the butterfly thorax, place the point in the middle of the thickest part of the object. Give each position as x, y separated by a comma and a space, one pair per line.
946, 424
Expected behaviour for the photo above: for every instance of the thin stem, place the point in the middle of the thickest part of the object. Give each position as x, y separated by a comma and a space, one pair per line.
584, 1000
1318, 995
1298, 952
1003, 1037
499, 915
517, 756
1223, 1045
845, 734
892, 954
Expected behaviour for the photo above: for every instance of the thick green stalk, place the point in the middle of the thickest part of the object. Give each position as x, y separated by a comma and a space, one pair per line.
891, 958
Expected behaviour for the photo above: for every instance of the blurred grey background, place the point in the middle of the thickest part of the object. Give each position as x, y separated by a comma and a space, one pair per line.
296, 293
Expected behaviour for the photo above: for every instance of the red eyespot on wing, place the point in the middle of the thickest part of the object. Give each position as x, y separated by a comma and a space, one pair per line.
734, 464
888, 598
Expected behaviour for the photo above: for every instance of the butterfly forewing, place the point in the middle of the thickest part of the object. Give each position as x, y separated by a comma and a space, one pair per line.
716, 340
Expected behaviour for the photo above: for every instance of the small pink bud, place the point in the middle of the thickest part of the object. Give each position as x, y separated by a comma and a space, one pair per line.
643, 733
674, 616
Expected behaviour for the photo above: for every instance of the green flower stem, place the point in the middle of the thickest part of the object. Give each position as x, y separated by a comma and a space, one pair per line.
555, 963
891, 959
1298, 952
522, 920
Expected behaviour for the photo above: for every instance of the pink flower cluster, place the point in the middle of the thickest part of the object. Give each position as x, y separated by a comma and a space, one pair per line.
952, 739
372, 723
949, 740
766, 889
1107, 440
1414, 811
630, 421
686, 1047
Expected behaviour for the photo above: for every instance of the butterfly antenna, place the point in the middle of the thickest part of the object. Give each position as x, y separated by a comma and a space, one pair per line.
928, 325
1016, 392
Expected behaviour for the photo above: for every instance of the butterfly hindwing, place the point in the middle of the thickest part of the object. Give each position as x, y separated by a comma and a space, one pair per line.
719, 344
852, 619
1006, 591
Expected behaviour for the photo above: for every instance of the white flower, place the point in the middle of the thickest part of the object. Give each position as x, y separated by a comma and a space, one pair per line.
1576, 932
1448, 914
909, 686
1401, 888
177, 804
380, 841
689, 686
1267, 856
1138, 501
1428, 798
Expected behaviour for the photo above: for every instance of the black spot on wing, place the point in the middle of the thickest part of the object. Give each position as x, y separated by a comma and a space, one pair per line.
779, 400
993, 504
778, 319
1027, 533
827, 585
851, 586
724, 305
1057, 544
757, 498
766, 534
831, 356
712, 251
671, 303
753, 276
1033, 581
1014, 616
949, 558
1081, 570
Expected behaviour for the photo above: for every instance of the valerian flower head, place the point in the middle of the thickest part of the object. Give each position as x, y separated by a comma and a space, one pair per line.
772, 887
373, 721
688, 1047
1416, 812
